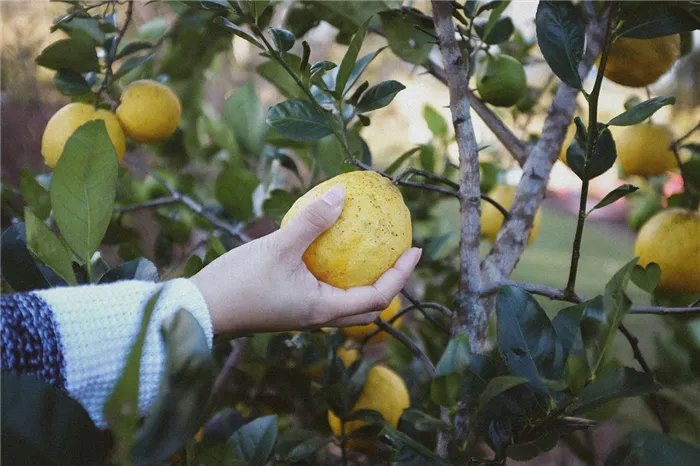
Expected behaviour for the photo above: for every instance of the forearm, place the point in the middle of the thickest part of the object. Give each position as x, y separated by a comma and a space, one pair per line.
79, 338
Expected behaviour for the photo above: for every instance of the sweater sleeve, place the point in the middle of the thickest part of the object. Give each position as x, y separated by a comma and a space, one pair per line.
79, 338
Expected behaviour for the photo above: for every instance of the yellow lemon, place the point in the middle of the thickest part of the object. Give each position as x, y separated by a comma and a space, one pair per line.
359, 332
492, 218
384, 392
568, 139
149, 111
644, 150
373, 230
671, 238
64, 122
640, 62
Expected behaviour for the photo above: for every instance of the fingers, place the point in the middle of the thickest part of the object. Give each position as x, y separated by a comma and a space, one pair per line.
362, 319
316, 218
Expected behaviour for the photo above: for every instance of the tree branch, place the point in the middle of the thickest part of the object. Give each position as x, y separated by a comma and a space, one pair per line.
221, 383
113, 51
417, 352
147, 204
691, 310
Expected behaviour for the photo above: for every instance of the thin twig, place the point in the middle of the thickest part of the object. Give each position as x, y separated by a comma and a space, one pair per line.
690, 310
147, 204
634, 343
678, 141
421, 307
400, 336
111, 54
238, 347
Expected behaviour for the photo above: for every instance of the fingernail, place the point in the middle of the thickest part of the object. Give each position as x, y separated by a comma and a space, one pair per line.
335, 196
409, 258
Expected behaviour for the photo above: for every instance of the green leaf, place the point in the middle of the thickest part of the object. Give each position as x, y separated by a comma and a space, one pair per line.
603, 156
646, 278
691, 169
561, 36
193, 265
218, 455
497, 8
306, 449
422, 422
403, 28
234, 190
121, 411
641, 112
379, 96
529, 450
657, 19
131, 64
527, 341
436, 123
449, 380
255, 441
621, 383
401, 442
299, 120
349, 59
70, 83
48, 248
177, 411
427, 157
653, 449
498, 385
17, 264
133, 47
283, 39
278, 204
42, 424
243, 112
357, 70
401, 159
566, 323
138, 269
88, 26
83, 188
34, 194
278, 76
614, 195
77, 53
502, 30
239, 31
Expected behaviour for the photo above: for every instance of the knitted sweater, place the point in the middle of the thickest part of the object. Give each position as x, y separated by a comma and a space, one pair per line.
79, 338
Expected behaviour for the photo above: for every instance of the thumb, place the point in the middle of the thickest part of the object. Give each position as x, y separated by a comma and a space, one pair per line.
316, 218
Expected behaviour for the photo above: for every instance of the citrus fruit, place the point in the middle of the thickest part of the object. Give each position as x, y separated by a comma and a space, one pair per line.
492, 218
644, 149
359, 332
64, 122
149, 111
640, 62
385, 392
347, 355
671, 238
373, 230
568, 139
501, 80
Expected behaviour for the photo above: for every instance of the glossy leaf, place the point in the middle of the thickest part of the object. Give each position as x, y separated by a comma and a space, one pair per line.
657, 19
244, 113
498, 385
306, 449
449, 380
348, 62
435, 121
641, 112
421, 421
404, 28
18, 267
299, 120
283, 39
561, 37
133, 47
357, 70
34, 195
614, 196
76, 53
427, 157
131, 64
83, 188
278, 204
379, 96
48, 248
234, 190
255, 441
70, 83
620, 383
399, 441
500, 32
138, 269
566, 323
603, 155
647, 277
239, 31
400, 160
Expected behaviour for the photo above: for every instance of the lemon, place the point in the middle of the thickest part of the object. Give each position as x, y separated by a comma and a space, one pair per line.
64, 122
501, 81
347, 355
492, 218
384, 392
373, 230
568, 139
359, 332
149, 111
644, 149
640, 62
671, 238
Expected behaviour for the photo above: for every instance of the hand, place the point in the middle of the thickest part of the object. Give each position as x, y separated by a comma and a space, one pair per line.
264, 286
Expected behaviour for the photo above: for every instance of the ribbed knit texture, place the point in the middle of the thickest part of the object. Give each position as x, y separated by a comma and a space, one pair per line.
98, 325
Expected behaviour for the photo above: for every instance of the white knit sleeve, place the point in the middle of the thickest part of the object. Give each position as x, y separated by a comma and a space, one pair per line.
98, 325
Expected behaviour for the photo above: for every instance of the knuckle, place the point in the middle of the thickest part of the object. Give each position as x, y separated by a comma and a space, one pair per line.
382, 300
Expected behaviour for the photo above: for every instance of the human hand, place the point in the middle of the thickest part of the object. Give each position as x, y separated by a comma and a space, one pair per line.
264, 286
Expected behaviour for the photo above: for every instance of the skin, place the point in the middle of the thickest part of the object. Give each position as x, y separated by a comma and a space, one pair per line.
264, 286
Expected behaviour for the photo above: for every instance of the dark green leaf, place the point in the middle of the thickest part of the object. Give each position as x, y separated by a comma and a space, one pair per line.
427, 157
132, 63
70, 83
401, 159
421, 421
356, 382
646, 278
214, 4
449, 379
404, 28
306, 449
243, 112
48, 248
34, 194
255, 441
138, 269
620, 383
348, 63
529, 450
218, 455
602, 158
691, 169
43, 425
656, 19
192, 266
566, 323
320, 67
357, 70
133, 47
121, 411
88, 26
502, 30
615, 195
177, 411
561, 36
435, 244
239, 31
498, 385
234, 190
284, 40
18, 267
278, 204
299, 120
379, 96
653, 449
641, 112
527, 340
400, 441
436, 123
76, 53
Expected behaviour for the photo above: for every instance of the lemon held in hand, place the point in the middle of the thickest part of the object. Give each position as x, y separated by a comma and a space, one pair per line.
149, 111
644, 149
64, 122
492, 218
671, 238
640, 62
372, 232
501, 81
359, 332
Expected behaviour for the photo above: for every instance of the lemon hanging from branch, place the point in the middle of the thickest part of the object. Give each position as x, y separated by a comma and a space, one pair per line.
149, 111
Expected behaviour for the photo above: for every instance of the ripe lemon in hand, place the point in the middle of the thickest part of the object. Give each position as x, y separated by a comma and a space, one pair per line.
492, 218
359, 332
501, 81
384, 392
644, 150
149, 111
640, 62
373, 230
64, 122
671, 238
